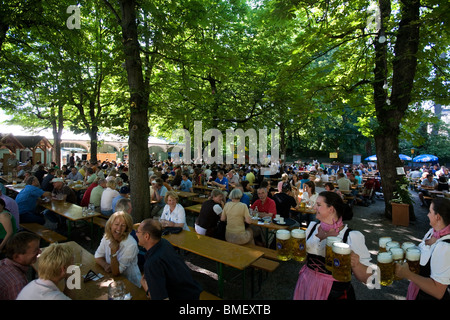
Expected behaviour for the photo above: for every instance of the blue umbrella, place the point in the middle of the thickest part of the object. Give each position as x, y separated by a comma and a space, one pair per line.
425, 158
404, 157
371, 158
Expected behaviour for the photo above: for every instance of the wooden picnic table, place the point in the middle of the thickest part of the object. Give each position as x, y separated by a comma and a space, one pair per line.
185, 194
15, 188
97, 289
223, 252
194, 208
70, 211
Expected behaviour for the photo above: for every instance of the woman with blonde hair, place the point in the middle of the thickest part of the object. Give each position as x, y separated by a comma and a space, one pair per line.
52, 268
118, 251
236, 214
173, 214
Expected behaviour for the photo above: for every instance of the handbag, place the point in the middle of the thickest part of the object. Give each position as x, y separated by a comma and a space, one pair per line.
169, 230
220, 230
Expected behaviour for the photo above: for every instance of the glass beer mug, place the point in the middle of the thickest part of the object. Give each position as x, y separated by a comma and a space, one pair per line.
382, 243
342, 268
398, 255
392, 244
298, 244
283, 247
385, 264
329, 252
413, 259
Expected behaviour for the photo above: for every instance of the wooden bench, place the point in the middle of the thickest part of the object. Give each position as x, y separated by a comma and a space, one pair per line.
99, 221
49, 236
204, 295
199, 199
265, 265
268, 253
262, 264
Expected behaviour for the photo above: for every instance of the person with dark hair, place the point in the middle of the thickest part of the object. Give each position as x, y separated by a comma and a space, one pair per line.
166, 275
22, 250
433, 279
7, 224
285, 200
27, 200
315, 281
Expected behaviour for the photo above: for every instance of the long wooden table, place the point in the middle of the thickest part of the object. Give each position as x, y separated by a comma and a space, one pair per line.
224, 253
70, 211
98, 289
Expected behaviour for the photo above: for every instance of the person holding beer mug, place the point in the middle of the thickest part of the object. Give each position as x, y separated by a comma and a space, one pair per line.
315, 282
434, 275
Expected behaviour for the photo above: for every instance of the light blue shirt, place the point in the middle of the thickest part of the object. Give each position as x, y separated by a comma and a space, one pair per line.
186, 185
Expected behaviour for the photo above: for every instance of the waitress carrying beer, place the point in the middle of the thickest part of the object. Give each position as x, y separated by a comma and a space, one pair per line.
433, 280
315, 281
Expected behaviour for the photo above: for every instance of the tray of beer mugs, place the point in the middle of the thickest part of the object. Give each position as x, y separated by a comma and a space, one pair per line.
391, 252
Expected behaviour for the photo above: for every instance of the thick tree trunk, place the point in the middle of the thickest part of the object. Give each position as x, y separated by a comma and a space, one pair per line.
390, 111
93, 134
138, 126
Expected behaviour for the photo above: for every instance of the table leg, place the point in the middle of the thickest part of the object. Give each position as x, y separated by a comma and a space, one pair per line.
69, 228
221, 280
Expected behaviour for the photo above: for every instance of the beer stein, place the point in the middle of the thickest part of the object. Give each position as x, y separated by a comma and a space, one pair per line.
283, 248
342, 269
413, 259
382, 243
385, 264
298, 244
329, 252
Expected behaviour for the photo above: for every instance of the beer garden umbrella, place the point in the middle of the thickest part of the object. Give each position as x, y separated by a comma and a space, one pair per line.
425, 158
402, 157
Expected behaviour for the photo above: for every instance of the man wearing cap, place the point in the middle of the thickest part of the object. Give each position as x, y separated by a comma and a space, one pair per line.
60, 192
59, 188
124, 192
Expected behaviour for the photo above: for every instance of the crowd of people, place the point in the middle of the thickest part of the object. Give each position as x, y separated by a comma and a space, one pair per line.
138, 251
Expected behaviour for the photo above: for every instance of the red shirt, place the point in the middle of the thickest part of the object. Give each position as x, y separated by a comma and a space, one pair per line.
269, 206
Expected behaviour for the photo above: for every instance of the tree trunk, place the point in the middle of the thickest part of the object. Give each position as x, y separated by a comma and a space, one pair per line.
138, 126
93, 134
390, 111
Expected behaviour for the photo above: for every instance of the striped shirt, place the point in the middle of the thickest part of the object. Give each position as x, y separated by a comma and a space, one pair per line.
13, 277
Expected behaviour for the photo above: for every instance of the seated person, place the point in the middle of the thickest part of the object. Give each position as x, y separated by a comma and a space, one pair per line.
266, 206
443, 183
52, 266
22, 251
118, 251
221, 181
27, 200
429, 183
186, 184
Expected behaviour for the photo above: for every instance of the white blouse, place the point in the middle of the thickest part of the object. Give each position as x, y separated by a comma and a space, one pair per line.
178, 215
355, 239
440, 257
127, 256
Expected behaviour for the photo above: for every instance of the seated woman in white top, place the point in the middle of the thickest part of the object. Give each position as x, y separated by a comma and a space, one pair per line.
107, 197
52, 268
118, 251
310, 195
173, 214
